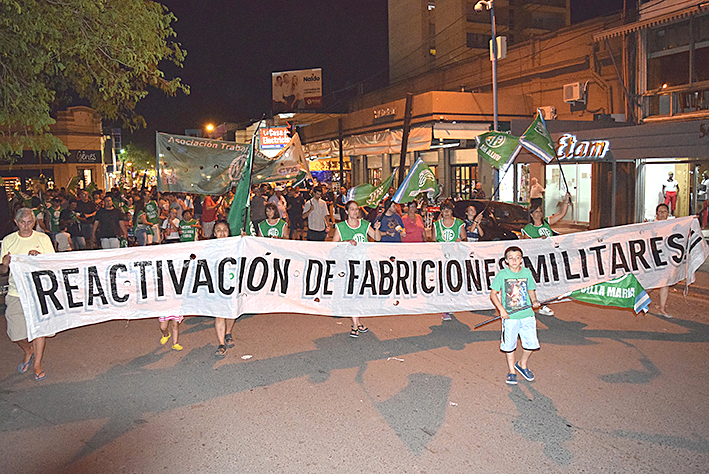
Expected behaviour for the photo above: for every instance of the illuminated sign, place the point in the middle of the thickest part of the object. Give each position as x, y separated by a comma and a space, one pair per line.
275, 137
571, 149
385, 112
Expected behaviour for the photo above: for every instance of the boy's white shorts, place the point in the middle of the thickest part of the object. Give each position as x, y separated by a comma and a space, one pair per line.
525, 328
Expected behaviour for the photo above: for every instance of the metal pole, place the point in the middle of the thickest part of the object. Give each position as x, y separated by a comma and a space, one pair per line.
340, 137
494, 64
405, 137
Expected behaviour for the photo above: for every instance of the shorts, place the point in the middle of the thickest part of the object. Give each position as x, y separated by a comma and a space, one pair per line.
296, 222
177, 318
317, 235
525, 328
16, 326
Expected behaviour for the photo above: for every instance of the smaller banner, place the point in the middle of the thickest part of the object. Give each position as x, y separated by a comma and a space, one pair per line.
537, 140
623, 292
498, 148
286, 165
370, 195
420, 179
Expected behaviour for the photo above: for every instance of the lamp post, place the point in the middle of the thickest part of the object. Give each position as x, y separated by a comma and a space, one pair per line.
490, 5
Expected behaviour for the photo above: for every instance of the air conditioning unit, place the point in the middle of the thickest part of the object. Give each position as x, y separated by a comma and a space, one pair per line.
548, 112
575, 92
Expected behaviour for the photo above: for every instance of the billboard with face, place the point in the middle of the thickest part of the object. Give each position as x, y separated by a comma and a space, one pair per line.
296, 90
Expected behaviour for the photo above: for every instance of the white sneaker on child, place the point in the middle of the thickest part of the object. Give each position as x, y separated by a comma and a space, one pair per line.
546, 311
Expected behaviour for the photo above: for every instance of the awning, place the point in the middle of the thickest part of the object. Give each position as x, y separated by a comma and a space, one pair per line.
387, 141
459, 131
661, 19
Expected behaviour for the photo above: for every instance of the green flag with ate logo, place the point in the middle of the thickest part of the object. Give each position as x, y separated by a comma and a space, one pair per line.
369, 195
498, 148
537, 140
419, 179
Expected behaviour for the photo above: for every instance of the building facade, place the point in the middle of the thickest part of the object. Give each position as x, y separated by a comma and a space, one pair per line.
425, 35
637, 80
79, 128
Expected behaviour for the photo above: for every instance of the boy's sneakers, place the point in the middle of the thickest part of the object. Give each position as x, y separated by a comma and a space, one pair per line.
447, 316
511, 379
546, 311
526, 373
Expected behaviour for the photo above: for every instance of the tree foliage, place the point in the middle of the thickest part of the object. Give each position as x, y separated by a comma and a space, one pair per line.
140, 158
106, 52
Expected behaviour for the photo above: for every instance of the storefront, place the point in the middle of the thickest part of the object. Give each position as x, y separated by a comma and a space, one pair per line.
616, 174
79, 129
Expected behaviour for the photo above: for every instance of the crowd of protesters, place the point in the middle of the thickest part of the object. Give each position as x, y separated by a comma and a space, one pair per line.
62, 221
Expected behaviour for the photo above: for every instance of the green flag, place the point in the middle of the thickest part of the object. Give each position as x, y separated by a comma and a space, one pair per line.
419, 179
623, 292
369, 195
498, 148
537, 140
239, 217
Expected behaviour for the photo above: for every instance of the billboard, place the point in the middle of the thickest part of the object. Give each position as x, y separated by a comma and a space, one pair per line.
296, 90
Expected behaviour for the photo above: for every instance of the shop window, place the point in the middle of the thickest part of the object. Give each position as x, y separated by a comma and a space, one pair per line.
677, 68
374, 176
464, 177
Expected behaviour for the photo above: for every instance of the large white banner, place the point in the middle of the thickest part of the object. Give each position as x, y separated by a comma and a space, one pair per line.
229, 277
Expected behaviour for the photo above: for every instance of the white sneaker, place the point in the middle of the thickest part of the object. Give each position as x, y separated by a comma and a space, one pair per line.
546, 311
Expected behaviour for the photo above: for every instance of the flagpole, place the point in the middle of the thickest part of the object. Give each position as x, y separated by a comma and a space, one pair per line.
542, 303
251, 165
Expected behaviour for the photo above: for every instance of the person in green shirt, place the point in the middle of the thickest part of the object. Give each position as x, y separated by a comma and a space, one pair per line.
152, 212
448, 228
540, 228
189, 227
513, 293
273, 225
354, 229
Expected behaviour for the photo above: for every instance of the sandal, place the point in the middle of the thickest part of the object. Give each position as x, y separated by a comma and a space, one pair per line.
40, 376
354, 332
24, 366
221, 351
361, 328
229, 341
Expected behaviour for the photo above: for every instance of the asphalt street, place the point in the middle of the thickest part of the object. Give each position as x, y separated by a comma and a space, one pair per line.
614, 392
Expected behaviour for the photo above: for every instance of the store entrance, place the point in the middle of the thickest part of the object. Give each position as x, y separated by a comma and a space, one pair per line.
578, 178
654, 176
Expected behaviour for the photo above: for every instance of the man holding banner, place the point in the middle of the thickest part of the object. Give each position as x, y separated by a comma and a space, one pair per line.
25, 241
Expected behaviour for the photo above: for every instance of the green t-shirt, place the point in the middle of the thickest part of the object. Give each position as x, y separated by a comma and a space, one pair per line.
268, 230
54, 215
348, 233
188, 233
448, 234
538, 231
151, 209
514, 291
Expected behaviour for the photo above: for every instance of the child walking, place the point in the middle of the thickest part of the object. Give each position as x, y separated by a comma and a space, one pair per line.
173, 321
514, 295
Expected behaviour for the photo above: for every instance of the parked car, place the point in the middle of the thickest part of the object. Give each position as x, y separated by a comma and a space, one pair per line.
501, 220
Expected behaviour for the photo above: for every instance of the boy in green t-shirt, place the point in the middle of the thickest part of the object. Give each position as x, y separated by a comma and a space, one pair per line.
188, 227
513, 293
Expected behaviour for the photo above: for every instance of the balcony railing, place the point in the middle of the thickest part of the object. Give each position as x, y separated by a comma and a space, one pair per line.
678, 100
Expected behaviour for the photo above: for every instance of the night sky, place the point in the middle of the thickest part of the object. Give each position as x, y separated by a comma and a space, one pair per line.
233, 46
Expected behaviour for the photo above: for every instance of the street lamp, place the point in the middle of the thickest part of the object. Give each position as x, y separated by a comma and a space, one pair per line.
479, 7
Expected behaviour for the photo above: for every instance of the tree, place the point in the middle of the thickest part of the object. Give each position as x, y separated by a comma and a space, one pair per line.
106, 52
